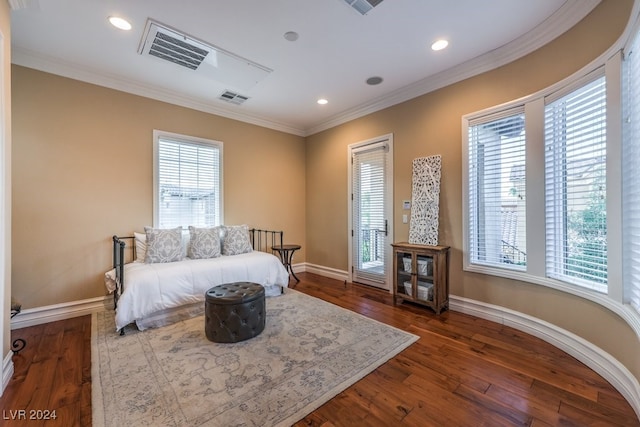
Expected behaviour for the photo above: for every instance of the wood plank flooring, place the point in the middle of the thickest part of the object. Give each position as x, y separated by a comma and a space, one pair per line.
52, 373
463, 371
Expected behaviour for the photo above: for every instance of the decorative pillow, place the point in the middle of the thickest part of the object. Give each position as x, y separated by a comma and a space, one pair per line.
205, 242
186, 242
164, 245
236, 240
141, 246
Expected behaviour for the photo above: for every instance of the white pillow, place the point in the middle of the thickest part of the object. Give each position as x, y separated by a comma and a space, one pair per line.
204, 243
164, 245
236, 240
141, 246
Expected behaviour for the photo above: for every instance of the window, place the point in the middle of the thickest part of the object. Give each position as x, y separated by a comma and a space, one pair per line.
538, 167
187, 181
631, 178
577, 158
496, 191
575, 186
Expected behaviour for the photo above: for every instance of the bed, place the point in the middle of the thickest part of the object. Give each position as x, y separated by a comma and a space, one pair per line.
152, 292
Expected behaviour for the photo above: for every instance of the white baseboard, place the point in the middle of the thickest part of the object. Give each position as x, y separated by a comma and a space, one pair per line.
586, 352
7, 371
325, 271
51, 313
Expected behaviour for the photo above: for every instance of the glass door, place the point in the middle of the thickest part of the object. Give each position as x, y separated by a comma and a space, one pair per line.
370, 221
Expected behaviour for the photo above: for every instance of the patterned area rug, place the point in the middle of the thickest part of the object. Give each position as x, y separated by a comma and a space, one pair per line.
309, 351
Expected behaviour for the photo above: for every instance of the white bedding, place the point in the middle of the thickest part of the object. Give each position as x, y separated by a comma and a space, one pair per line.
150, 288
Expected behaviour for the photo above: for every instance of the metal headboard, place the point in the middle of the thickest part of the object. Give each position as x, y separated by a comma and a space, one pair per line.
263, 240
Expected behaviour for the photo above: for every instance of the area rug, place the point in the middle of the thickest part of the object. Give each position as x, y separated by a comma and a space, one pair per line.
309, 351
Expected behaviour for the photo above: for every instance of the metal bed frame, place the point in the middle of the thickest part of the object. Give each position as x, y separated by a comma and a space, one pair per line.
264, 240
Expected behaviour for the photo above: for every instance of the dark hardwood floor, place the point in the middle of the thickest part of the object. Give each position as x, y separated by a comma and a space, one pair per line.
463, 371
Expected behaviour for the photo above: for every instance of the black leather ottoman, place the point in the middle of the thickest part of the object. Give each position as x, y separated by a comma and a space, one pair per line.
234, 312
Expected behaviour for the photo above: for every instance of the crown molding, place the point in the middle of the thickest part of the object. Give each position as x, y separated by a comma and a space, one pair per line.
568, 15
30, 59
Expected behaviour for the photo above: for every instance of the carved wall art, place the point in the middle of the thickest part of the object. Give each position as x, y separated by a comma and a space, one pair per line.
425, 200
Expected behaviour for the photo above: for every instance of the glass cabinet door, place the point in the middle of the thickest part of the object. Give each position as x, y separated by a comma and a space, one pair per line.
424, 270
404, 273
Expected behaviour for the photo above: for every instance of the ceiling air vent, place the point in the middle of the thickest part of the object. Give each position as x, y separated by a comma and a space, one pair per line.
363, 6
172, 45
233, 98
180, 52
229, 69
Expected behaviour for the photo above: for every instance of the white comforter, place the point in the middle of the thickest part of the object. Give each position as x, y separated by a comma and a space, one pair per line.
149, 288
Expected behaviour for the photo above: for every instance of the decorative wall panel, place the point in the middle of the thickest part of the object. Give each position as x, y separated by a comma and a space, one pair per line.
425, 200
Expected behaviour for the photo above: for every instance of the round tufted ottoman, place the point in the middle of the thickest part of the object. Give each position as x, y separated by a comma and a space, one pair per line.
234, 312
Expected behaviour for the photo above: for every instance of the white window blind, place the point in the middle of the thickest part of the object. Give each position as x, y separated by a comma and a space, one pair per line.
496, 196
370, 228
575, 186
188, 182
631, 178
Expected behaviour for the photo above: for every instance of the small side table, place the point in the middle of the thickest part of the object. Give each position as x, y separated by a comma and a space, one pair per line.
18, 343
286, 256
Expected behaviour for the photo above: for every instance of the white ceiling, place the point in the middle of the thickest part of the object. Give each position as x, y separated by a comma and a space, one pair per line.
338, 49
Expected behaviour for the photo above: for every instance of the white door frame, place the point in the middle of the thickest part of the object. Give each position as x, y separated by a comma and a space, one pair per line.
388, 207
5, 229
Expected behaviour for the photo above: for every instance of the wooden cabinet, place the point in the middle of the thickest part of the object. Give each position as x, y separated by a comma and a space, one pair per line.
421, 275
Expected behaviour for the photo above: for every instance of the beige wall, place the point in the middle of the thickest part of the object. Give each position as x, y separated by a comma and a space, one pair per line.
82, 171
5, 180
431, 124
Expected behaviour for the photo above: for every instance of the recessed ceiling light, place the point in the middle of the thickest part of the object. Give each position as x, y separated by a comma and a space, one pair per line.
120, 23
322, 101
439, 44
291, 36
374, 80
